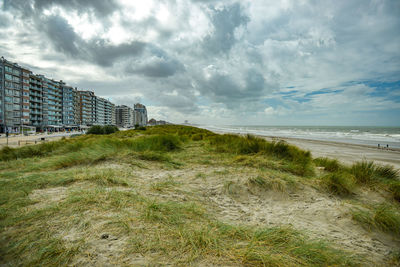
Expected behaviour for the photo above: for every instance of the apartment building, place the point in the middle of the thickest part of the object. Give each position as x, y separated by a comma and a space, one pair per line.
87, 107
124, 116
28, 99
109, 113
70, 114
14, 96
140, 114
36, 101
53, 101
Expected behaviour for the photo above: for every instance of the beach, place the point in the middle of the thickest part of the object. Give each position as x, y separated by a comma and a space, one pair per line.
346, 150
347, 153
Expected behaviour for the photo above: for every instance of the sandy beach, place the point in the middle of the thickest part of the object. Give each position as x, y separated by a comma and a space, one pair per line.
344, 152
347, 153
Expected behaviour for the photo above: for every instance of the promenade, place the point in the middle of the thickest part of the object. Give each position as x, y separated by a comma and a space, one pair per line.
21, 140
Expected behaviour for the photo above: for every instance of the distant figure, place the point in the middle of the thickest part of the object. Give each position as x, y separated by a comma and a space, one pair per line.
379, 145
387, 146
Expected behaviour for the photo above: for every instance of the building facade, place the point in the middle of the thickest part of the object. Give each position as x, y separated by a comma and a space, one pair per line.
140, 114
124, 116
87, 107
28, 99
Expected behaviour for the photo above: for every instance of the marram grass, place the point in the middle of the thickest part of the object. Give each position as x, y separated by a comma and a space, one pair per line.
161, 218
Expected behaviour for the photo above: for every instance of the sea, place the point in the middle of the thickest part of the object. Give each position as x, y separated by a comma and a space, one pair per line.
360, 135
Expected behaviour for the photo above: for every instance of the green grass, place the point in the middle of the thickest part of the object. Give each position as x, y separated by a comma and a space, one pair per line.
273, 184
384, 217
330, 165
340, 183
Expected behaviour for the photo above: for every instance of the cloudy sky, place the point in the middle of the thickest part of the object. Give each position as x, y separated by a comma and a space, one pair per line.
248, 62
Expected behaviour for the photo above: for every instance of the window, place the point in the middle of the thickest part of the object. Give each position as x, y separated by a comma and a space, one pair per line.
25, 93
16, 72
26, 107
8, 77
17, 100
26, 80
8, 84
16, 106
8, 99
17, 93
9, 107
8, 69
25, 114
25, 100
16, 79
25, 87
16, 113
25, 74
9, 92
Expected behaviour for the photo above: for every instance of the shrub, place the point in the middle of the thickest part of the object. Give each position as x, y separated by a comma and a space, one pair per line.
95, 129
340, 183
330, 165
107, 129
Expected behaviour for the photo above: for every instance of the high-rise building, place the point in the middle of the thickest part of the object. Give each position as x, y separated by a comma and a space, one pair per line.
70, 116
14, 96
27, 99
100, 111
140, 114
87, 107
109, 115
124, 116
36, 101
53, 101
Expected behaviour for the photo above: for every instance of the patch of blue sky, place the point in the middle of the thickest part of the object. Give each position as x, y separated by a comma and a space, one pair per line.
289, 92
324, 91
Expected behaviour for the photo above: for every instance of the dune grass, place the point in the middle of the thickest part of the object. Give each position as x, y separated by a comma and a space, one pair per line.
383, 216
147, 219
330, 165
339, 183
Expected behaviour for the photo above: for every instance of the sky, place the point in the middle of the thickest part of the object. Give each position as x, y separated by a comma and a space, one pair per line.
248, 62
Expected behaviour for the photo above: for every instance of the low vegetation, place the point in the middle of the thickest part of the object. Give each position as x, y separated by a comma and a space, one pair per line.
340, 183
71, 201
98, 129
383, 216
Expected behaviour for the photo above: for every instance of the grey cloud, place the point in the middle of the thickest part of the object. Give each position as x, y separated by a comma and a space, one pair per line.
155, 66
222, 88
64, 39
105, 54
62, 35
225, 21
